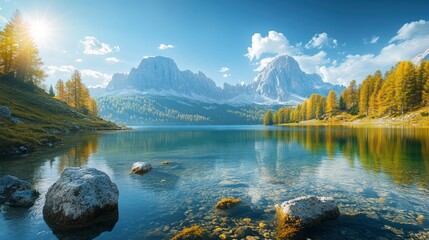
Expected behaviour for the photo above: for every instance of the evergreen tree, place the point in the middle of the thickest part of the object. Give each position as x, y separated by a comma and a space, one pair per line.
365, 95
386, 95
51, 91
342, 103
268, 118
352, 98
331, 102
423, 78
303, 112
377, 82
61, 92
405, 87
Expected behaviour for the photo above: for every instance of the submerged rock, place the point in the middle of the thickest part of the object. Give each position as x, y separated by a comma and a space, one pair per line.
23, 198
81, 198
227, 203
310, 210
141, 168
16, 192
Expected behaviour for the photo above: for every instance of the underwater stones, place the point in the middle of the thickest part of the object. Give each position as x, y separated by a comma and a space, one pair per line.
165, 162
304, 212
141, 168
227, 203
16, 192
81, 197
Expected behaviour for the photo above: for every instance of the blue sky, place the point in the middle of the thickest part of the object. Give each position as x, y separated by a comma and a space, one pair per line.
227, 40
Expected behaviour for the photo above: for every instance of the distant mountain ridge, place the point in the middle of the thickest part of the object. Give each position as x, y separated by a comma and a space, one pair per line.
281, 82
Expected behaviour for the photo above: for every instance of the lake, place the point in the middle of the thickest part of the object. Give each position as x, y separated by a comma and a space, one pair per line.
378, 176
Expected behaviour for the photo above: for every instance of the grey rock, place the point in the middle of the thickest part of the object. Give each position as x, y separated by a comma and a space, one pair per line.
311, 210
23, 198
9, 185
5, 112
141, 168
81, 198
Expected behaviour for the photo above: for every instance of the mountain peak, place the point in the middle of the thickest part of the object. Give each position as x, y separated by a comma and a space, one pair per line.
421, 57
285, 62
283, 80
158, 61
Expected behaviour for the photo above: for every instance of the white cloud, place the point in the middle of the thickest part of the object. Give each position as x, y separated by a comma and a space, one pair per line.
51, 69
116, 48
103, 78
79, 60
412, 30
275, 43
359, 66
321, 39
374, 39
112, 59
163, 46
94, 47
223, 69
311, 64
411, 39
226, 75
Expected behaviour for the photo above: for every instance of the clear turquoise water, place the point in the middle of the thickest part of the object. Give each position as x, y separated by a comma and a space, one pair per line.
379, 177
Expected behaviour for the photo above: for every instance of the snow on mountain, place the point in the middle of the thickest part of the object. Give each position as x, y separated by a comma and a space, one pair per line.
421, 57
161, 75
281, 82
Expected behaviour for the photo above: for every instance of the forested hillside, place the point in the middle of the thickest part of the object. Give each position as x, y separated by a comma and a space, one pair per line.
147, 110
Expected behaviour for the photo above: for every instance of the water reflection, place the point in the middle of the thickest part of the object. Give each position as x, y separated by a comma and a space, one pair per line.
374, 172
78, 153
401, 153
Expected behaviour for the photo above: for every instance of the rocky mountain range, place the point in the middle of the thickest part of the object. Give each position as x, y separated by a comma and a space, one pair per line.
158, 92
281, 82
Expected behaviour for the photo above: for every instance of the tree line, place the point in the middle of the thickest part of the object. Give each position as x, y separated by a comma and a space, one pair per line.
76, 94
402, 89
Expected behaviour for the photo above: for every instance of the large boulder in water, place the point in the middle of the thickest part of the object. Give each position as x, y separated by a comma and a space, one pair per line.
141, 168
310, 210
16, 192
82, 197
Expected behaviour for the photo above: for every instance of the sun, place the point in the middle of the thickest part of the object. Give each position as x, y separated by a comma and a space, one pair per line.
40, 31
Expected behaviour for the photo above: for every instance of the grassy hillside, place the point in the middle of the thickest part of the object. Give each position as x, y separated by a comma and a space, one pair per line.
38, 119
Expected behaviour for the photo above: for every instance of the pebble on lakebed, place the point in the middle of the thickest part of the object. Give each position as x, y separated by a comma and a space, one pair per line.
165, 162
227, 203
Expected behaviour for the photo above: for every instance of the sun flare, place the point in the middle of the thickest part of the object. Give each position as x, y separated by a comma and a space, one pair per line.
40, 31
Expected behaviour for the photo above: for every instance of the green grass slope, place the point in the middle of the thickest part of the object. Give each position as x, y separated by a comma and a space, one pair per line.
38, 119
